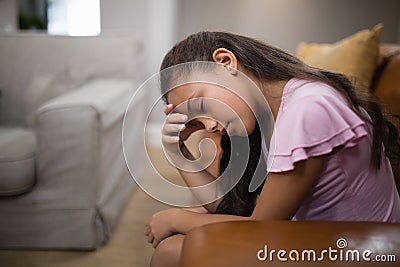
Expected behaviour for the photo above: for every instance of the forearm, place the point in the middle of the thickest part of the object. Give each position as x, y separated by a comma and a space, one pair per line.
185, 220
198, 179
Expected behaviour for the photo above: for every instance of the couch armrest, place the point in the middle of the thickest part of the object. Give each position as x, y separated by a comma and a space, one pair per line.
104, 97
243, 243
82, 180
79, 143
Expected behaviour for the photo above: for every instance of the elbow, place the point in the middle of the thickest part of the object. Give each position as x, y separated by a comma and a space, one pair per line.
212, 207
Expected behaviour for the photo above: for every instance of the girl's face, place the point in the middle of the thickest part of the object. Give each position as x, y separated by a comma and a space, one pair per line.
214, 108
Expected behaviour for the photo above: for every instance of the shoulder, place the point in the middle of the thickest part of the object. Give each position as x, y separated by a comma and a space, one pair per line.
310, 102
303, 93
312, 121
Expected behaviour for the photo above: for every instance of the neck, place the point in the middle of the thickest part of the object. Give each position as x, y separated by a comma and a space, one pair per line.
272, 92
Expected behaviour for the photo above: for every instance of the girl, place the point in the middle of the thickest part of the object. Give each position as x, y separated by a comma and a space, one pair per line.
332, 148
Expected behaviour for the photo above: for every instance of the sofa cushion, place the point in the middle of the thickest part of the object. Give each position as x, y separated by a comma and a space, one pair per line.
17, 160
355, 56
37, 67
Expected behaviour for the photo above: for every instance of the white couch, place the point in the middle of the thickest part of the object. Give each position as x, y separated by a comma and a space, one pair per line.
63, 179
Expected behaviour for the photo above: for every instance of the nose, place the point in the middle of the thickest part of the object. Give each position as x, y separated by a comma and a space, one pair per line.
210, 125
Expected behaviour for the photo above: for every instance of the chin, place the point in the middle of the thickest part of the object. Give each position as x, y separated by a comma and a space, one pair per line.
249, 131
242, 133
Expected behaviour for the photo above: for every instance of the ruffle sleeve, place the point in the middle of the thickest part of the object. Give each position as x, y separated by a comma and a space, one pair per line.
312, 126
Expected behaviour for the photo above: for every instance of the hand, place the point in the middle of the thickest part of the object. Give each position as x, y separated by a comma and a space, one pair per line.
159, 226
176, 129
174, 124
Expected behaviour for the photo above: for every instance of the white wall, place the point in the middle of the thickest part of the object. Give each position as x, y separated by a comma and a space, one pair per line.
125, 16
8, 15
162, 30
285, 23
153, 21
281, 22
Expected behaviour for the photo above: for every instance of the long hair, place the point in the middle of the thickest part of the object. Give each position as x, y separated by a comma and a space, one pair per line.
269, 63
239, 201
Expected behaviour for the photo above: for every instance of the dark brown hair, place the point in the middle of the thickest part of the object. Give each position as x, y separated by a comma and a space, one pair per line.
240, 201
269, 63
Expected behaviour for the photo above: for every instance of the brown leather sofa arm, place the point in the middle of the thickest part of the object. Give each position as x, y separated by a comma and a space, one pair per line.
288, 243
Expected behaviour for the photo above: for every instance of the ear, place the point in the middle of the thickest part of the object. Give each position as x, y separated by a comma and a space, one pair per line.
226, 58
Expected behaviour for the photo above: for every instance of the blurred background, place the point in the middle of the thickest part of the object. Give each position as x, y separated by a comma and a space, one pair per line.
160, 24
64, 60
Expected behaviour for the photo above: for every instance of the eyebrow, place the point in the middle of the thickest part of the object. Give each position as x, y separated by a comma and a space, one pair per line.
188, 103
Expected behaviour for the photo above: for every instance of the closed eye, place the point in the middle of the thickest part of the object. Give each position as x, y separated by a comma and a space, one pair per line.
202, 105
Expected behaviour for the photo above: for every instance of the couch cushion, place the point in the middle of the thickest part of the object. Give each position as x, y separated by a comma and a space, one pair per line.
17, 160
355, 56
38, 67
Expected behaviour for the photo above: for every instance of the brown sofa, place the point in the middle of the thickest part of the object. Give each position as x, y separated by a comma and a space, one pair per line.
246, 243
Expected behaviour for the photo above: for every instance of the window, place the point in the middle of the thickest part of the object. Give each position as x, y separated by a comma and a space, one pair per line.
63, 17
74, 17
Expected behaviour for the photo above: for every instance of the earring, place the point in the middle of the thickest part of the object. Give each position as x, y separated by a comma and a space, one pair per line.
228, 68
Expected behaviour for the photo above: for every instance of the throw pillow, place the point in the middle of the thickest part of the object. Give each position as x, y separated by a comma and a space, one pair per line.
355, 56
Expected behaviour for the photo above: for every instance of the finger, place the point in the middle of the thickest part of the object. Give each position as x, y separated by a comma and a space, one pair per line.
173, 129
176, 118
167, 139
155, 243
150, 238
168, 109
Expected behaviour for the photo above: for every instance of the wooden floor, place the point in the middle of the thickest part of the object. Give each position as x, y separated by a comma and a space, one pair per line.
127, 247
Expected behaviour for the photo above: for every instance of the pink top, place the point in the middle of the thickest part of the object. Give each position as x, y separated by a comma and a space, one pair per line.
313, 119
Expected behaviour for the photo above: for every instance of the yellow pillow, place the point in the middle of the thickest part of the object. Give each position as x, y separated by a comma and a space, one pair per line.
355, 56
